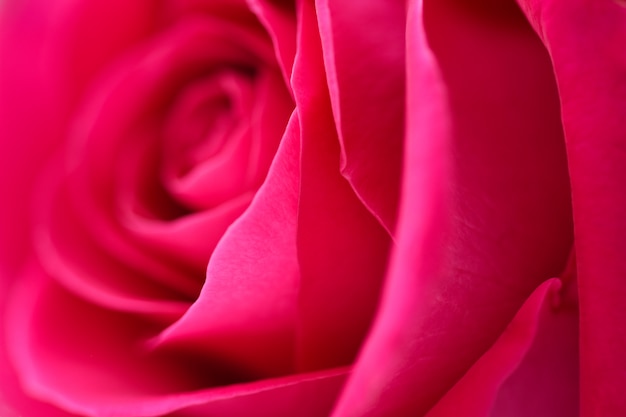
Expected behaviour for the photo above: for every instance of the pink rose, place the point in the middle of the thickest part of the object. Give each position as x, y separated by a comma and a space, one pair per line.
327, 208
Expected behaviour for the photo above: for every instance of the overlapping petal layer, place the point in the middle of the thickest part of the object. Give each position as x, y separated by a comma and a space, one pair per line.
485, 214
342, 248
126, 223
585, 40
370, 135
46, 65
114, 227
532, 369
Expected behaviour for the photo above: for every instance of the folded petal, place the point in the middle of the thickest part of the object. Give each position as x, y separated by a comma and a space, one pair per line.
342, 248
279, 19
247, 308
363, 46
532, 369
586, 42
38, 42
80, 226
484, 209
92, 361
48, 53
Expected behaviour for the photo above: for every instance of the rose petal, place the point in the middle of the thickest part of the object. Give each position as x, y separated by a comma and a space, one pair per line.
268, 123
586, 42
279, 21
246, 310
124, 109
365, 70
302, 395
88, 360
14, 402
342, 248
394, 342
241, 163
206, 181
530, 370
71, 256
191, 239
546, 382
236, 11
484, 207
39, 46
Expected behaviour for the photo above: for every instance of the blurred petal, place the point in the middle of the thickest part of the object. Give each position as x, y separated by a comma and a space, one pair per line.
279, 20
80, 225
39, 40
48, 52
91, 361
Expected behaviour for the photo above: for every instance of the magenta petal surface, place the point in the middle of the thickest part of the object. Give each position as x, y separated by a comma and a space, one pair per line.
547, 382
484, 205
423, 219
306, 395
92, 362
279, 20
530, 370
364, 62
586, 42
342, 248
44, 64
82, 226
249, 296
50, 62
312, 208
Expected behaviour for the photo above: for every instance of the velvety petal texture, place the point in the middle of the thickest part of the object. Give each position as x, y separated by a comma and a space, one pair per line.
128, 107
370, 136
316, 208
163, 151
485, 209
342, 249
585, 40
481, 387
253, 305
72, 353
